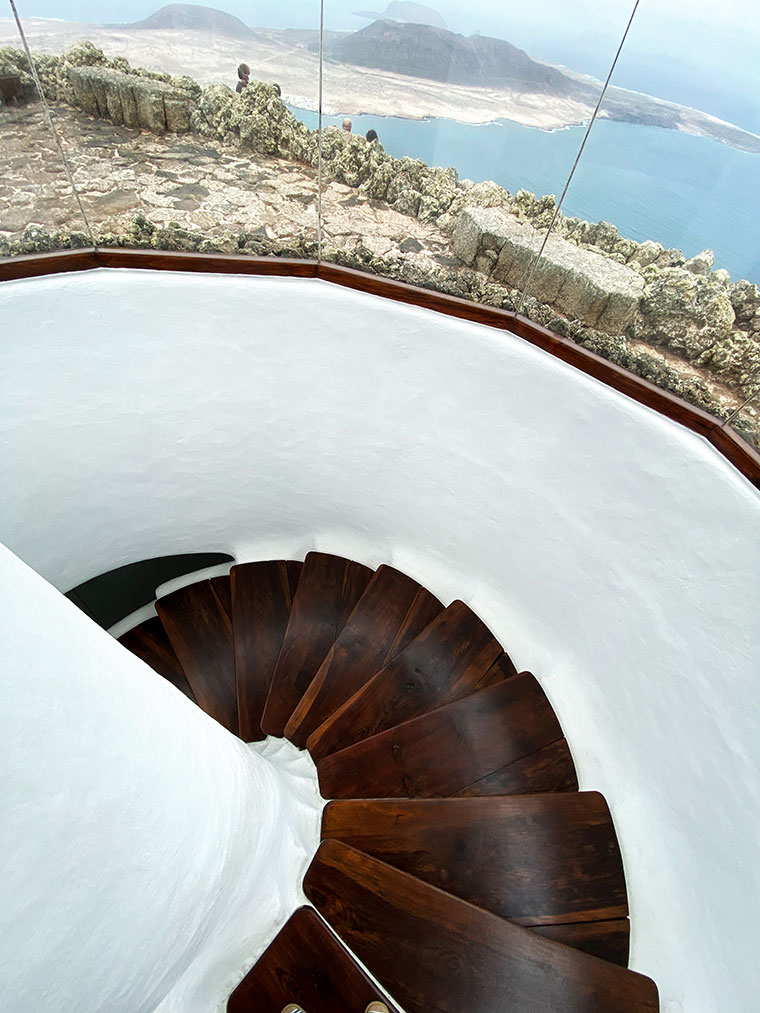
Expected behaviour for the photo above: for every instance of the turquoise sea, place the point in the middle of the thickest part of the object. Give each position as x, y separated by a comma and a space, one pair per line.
683, 191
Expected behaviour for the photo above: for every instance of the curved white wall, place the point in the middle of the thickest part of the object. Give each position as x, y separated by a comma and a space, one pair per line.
613, 553
138, 835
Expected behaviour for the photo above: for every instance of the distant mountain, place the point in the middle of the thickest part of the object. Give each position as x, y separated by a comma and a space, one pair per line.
405, 10
440, 55
196, 18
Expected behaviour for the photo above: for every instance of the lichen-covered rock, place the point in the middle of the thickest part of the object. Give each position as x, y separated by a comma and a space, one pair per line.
578, 282
735, 358
688, 313
722, 276
647, 253
37, 239
349, 159
213, 113
14, 64
745, 299
539, 211
264, 123
468, 194
130, 100
602, 235
702, 263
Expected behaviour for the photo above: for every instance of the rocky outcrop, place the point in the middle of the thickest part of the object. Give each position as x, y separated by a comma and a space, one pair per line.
257, 119
583, 285
685, 312
131, 101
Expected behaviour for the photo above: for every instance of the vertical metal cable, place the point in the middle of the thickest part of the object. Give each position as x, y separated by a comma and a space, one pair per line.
319, 129
49, 118
532, 269
742, 406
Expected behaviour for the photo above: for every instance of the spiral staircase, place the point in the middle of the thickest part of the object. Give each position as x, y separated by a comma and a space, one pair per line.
459, 863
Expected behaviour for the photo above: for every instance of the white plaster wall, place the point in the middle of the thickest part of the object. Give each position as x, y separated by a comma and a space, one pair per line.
148, 855
614, 553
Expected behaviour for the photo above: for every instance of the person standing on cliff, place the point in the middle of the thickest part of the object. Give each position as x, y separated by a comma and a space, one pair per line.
347, 125
244, 73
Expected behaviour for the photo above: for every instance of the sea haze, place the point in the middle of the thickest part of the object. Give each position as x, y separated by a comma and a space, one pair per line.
686, 192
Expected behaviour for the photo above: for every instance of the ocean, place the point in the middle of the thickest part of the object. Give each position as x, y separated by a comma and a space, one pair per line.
687, 192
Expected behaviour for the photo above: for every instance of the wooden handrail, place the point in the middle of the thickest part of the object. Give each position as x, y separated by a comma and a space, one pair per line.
728, 442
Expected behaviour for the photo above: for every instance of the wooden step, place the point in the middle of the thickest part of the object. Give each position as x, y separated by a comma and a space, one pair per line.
223, 587
606, 940
262, 594
305, 964
433, 951
535, 859
548, 769
393, 610
445, 662
441, 752
328, 589
200, 631
149, 642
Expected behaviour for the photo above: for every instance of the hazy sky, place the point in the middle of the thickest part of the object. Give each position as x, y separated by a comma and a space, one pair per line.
700, 52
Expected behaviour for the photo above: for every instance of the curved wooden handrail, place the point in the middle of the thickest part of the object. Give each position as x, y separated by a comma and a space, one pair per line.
728, 442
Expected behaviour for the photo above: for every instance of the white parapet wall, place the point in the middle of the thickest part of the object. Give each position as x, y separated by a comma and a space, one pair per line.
148, 855
613, 553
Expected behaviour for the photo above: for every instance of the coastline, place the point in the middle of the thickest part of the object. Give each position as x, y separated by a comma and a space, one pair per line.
354, 91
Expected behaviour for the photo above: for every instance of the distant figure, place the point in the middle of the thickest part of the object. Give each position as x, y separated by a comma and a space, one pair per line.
244, 72
278, 89
371, 136
347, 124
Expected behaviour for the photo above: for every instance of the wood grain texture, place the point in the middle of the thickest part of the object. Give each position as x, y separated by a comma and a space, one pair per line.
535, 859
434, 952
439, 753
149, 642
328, 589
371, 635
548, 769
261, 601
200, 631
445, 662
307, 965
606, 940
222, 585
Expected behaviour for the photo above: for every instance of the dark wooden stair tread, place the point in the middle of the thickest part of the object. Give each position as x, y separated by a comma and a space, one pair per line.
446, 661
307, 965
328, 589
550, 768
149, 642
392, 611
447, 749
535, 859
262, 594
433, 951
608, 940
200, 631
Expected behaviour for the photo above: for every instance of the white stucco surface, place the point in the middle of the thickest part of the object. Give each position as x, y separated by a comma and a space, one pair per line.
614, 554
148, 855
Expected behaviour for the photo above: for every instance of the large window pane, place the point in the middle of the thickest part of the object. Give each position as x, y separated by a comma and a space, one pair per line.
38, 208
471, 108
658, 221
178, 125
